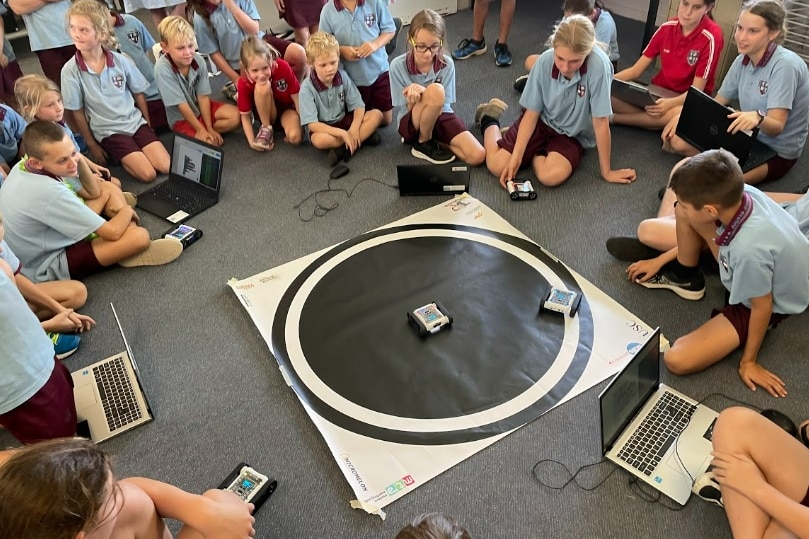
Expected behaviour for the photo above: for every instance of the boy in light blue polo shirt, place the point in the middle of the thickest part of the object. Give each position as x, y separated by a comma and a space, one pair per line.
47, 33
363, 28
326, 98
566, 109
182, 78
12, 126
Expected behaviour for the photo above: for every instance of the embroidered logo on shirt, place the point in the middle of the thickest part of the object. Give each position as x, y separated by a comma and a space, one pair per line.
134, 36
580, 90
118, 80
762, 87
370, 20
2, 114
439, 80
342, 97
281, 85
693, 56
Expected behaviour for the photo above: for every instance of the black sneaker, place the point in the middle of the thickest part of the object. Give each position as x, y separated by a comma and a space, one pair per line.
519, 84
338, 154
693, 289
707, 488
502, 56
391, 46
629, 249
374, 140
432, 152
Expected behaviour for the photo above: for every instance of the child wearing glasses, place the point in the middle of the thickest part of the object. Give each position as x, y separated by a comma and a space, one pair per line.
423, 89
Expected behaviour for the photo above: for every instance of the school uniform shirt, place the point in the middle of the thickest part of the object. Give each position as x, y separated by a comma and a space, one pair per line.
7, 255
799, 210
779, 81
403, 73
607, 33
765, 253
176, 88
683, 58
369, 19
135, 41
8, 50
26, 352
284, 86
12, 127
224, 34
569, 106
328, 104
107, 97
47, 26
42, 217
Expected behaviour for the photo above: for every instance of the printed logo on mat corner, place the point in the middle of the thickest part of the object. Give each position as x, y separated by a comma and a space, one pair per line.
397, 486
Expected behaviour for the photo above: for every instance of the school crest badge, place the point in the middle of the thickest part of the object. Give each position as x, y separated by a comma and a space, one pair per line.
763, 87
439, 80
580, 90
118, 80
370, 20
693, 56
281, 85
342, 97
134, 37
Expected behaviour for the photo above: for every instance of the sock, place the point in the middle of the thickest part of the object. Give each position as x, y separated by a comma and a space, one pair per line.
486, 121
686, 273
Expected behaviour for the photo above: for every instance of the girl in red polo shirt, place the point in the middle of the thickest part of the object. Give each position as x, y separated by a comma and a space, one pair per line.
269, 90
689, 46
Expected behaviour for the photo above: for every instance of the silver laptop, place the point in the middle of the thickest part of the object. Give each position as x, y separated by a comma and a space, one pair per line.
193, 184
656, 433
109, 394
638, 94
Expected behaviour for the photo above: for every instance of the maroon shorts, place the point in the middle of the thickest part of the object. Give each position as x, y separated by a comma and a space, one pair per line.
777, 167
52, 61
157, 115
181, 126
82, 261
543, 141
377, 95
8, 76
120, 145
50, 413
447, 127
739, 317
277, 43
343, 123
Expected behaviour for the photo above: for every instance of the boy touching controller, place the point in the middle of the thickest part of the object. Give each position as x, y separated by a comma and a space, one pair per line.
48, 225
182, 78
326, 96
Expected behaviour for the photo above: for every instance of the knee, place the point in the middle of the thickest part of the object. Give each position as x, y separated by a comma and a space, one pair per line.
294, 137
677, 360
646, 231
78, 295
476, 157
732, 423
147, 175
434, 95
551, 178
139, 237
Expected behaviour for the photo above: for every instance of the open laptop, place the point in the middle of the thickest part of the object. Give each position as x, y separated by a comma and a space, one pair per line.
656, 433
704, 124
194, 181
109, 394
638, 94
448, 179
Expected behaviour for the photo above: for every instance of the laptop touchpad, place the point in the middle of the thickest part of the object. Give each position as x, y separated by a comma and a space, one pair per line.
85, 396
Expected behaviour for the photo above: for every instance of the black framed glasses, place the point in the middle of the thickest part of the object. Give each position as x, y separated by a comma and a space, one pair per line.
424, 48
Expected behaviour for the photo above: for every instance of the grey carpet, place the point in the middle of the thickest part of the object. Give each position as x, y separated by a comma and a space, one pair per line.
220, 399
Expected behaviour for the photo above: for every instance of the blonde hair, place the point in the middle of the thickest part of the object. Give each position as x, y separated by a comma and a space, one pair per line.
174, 28
30, 92
255, 47
320, 43
99, 16
576, 33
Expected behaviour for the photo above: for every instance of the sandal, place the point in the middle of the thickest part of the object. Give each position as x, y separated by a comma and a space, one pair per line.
803, 432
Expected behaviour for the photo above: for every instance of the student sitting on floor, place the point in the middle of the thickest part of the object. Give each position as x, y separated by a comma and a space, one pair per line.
423, 88
36, 390
761, 474
48, 226
604, 25
434, 525
84, 500
566, 107
771, 84
106, 88
331, 106
689, 47
10, 135
763, 262
53, 302
269, 91
9, 66
182, 77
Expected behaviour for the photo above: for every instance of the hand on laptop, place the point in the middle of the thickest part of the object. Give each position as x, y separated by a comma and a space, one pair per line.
743, 121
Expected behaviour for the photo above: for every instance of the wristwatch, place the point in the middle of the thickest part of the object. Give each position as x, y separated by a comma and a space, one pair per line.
761, 115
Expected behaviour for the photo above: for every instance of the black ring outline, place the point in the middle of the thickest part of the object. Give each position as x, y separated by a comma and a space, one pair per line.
539, 407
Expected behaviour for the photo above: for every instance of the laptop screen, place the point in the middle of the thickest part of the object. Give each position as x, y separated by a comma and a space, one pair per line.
629, 391
196, 161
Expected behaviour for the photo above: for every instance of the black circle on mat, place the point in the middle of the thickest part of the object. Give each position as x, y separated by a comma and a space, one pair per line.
355, 337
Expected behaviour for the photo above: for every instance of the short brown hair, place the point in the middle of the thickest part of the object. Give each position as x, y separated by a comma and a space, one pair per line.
436, 525
38, 134
711, 177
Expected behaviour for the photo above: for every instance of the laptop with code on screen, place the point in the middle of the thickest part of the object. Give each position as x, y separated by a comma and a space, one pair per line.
193, 184
656, 433
109, 394
447, 179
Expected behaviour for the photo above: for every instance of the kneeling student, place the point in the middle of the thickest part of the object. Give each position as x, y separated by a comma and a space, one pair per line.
51, 230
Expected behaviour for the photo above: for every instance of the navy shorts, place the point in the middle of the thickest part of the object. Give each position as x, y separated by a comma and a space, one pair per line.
543, 141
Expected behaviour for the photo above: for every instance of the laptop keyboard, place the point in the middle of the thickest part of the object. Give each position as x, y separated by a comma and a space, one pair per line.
657, 432
117, 396
191, 202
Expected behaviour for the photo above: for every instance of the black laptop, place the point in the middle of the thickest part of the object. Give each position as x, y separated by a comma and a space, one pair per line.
704, 124
193, 184
448, 179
